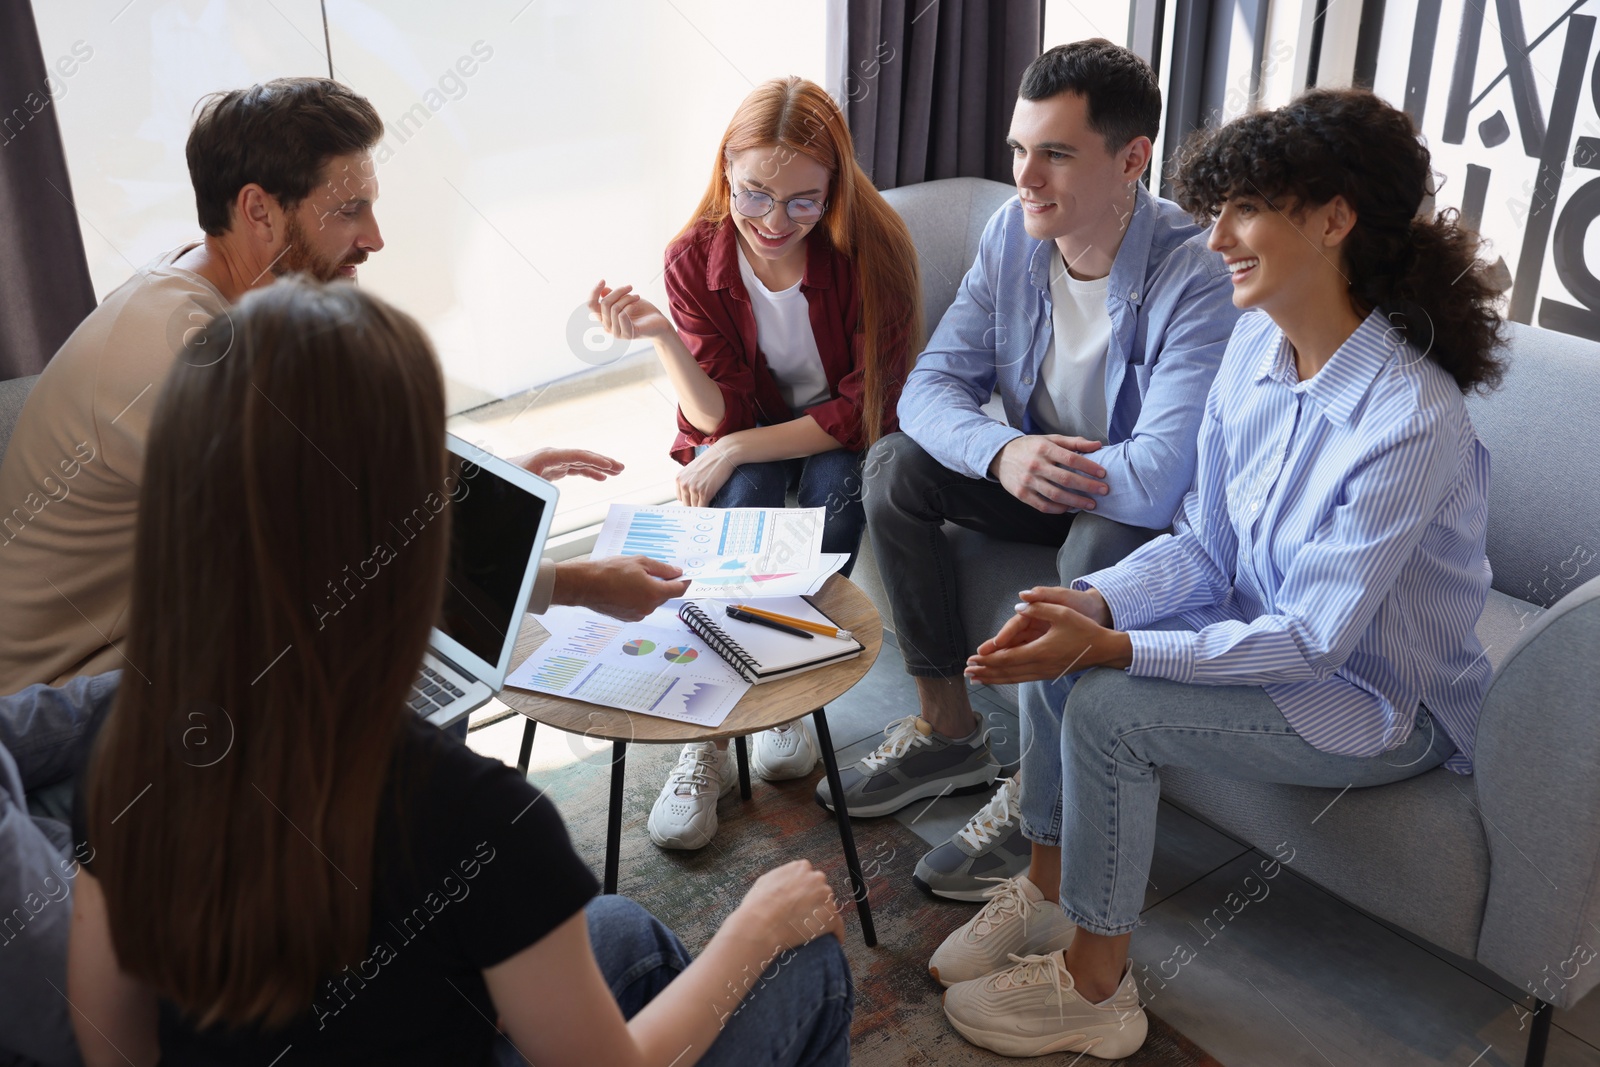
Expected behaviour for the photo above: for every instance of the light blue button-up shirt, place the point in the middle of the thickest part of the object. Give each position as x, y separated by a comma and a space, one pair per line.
1171, 308
1332, 549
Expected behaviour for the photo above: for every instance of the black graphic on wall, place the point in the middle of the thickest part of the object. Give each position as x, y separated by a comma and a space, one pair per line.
1514, 168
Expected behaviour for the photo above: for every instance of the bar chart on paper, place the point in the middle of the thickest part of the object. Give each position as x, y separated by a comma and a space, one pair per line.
725, 545
593, 636
556, 672
653, 534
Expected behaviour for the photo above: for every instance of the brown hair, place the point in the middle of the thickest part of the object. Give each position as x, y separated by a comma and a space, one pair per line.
245, 872
277, 134
799, 116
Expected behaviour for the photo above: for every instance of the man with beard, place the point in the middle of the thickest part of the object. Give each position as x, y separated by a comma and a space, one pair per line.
284, 182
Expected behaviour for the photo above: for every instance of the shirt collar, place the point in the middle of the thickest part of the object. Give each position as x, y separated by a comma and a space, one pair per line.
1133, 254
722, 260
1344, 381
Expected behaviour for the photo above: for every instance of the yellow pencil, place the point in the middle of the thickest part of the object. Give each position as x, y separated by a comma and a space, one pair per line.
803, 624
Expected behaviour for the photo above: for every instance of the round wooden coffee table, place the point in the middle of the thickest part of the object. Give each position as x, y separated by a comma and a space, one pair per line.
763, 707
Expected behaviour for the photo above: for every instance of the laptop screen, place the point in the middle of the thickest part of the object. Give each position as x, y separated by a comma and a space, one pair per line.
495, 527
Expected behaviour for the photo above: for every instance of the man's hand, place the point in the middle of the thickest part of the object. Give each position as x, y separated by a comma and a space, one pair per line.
1050, 472
553, 463
624, 587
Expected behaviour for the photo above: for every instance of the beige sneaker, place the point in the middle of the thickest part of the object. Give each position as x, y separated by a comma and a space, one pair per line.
1017, 920
1032, 1009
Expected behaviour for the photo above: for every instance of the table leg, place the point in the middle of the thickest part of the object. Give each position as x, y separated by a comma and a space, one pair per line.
619, 752
743, 752
526, 754
847, 838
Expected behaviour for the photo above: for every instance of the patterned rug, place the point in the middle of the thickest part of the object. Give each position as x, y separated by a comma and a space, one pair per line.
898, 1020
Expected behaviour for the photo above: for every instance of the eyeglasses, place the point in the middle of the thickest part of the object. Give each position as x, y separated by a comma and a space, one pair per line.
753, 204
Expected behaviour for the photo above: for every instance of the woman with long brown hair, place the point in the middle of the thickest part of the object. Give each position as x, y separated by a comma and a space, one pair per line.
798, 311
284, 864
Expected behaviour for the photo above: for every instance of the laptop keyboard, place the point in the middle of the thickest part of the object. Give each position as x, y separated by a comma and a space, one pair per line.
431, 691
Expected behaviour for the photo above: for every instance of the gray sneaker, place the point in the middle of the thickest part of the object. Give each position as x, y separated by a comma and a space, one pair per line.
912, 764
989, 847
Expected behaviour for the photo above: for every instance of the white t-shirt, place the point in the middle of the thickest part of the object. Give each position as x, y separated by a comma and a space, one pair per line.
783, 333
1070, 397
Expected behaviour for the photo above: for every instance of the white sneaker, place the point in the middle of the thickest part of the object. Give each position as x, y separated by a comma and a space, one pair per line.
685, 814
784, 752
1017, 921
1032, 1009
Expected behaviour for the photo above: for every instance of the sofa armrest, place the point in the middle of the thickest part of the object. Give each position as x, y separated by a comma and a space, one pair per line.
1538, 751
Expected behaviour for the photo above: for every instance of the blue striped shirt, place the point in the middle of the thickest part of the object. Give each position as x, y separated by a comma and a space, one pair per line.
1331, 549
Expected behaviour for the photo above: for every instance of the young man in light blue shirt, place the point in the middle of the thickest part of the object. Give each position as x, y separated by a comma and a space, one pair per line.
1096, 311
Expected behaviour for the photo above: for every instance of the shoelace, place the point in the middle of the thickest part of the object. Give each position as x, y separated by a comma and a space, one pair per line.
993, 817
693, 769
899, 736
1032, 970
1006, 900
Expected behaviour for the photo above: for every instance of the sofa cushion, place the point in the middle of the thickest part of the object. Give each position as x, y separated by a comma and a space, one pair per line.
13, 394
1412, 853
1544, 534
946, 219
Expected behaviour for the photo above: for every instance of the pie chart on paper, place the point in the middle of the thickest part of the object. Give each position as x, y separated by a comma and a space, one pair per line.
639, 647
680, 654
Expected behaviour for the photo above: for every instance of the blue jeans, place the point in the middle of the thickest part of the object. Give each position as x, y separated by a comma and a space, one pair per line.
797, 1013
830, 480
41, 729
1094, 743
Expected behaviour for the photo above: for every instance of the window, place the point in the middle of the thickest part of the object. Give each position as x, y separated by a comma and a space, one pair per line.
532, 149
1074, 20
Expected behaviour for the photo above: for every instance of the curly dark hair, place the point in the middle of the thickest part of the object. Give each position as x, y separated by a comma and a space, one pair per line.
1423, 273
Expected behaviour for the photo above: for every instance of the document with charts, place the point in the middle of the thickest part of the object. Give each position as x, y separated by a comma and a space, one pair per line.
655, 667
728, 552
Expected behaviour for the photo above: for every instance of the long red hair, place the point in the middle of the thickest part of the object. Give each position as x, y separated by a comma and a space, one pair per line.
798, 115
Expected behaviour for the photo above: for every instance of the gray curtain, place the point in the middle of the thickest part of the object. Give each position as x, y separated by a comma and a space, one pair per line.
44, 279
930, 85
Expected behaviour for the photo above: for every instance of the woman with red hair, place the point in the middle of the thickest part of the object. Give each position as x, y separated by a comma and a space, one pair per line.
797, 304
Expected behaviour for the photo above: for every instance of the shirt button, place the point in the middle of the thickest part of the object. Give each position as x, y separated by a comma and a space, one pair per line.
1255, 508
1133, 296
1027, 381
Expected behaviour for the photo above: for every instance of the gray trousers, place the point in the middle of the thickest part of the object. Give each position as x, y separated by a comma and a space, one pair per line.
41, 730
910, 496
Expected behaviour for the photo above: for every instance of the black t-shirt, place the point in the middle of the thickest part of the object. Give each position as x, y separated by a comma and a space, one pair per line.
478, 868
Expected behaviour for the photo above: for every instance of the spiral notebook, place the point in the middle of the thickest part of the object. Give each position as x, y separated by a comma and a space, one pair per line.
760, 653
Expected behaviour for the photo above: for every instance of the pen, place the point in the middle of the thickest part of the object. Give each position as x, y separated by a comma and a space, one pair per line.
762, 620
826, 630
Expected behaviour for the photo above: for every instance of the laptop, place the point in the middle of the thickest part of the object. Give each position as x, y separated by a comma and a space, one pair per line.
500, 517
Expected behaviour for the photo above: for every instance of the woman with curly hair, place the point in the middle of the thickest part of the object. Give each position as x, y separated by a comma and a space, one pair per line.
1310, 618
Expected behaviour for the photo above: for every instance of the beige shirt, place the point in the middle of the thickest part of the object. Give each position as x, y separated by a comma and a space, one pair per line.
69, 483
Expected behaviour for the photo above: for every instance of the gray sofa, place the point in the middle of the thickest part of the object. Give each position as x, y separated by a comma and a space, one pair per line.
1501, 867
13, 393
